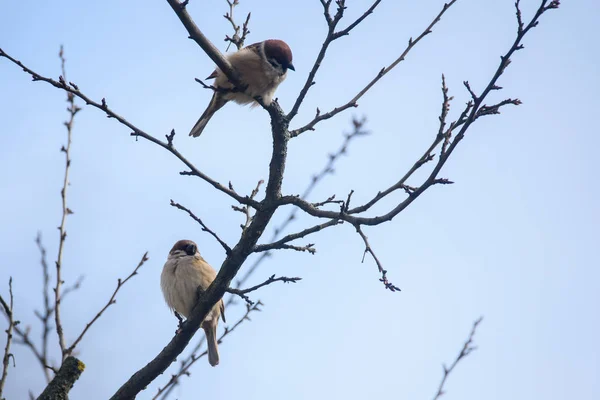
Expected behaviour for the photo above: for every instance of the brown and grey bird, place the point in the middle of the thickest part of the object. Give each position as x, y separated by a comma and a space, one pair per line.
184, 272
261, 68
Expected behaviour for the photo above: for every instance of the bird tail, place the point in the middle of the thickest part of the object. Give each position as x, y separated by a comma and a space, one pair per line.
215, 104
210, 330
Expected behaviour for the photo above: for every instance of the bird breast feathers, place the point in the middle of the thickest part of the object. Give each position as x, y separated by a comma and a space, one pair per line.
180, 279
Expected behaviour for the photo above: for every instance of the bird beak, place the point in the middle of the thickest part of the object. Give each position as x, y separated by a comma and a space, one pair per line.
291, 66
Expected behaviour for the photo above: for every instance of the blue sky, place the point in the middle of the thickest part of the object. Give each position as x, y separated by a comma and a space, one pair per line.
514, 239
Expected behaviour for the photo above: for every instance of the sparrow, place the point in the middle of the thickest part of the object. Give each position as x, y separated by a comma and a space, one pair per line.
183, 274
261, 68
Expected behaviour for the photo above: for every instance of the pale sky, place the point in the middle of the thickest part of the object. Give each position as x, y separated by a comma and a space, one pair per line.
514, 239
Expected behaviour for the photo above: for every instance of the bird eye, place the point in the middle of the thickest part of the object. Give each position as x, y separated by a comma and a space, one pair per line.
190, 249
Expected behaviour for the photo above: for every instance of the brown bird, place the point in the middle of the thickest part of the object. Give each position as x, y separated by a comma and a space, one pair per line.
184, 272
261, 66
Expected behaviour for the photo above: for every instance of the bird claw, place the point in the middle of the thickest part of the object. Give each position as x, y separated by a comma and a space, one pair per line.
180, 324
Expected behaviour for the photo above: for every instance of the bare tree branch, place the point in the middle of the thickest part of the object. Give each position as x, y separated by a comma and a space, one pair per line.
69, 289
306, 248
358, 131
110, 302
368, 249
46, 316
211, 87
519, 20
237, 40
470, 114
204, 227
74, 89
63, 381
242, 292
204, 43
465, 351
22, 337
425, 158
281, 243
8, 310
346, 31
195, 356
331, 36
353, 102
245, 209
72, 109
48, 309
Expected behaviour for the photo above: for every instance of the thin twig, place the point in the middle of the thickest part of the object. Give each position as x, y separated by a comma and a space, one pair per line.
331, 36
69, 289
519, 18
73, 109
211, 87
281, 243
8, 309
46, 316
446, 134
203, 225
22, 337
48, 309
245, 209
330, 200
242, 292
306, 248
236, 39
353, 102
110, 302
465, 351
368, 249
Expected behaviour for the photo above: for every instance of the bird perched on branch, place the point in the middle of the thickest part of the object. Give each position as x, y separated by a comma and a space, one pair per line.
184, 273
261, 68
